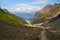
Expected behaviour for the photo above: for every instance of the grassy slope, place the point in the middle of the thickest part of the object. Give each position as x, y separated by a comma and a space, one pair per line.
6, 17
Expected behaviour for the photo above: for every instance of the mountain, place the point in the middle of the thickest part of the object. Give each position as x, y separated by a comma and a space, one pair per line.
47, 12
17, 17
28, 16
50, 17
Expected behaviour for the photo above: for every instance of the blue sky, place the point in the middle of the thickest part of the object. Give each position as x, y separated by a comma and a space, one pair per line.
25, 5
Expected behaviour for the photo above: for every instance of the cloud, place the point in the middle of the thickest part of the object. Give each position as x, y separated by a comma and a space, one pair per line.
40, 1
27, 8
22, 5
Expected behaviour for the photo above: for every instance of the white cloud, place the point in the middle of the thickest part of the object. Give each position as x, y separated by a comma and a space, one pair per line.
40, 1
22, 5
24, 8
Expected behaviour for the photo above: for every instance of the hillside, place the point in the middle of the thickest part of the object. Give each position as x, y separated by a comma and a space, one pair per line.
10, 26
54, 27
8, 17
47, 13
19, 18
54, 24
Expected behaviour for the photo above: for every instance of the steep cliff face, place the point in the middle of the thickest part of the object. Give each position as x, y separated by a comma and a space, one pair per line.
48, 12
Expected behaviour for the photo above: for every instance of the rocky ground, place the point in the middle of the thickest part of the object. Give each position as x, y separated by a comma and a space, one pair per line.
14, 32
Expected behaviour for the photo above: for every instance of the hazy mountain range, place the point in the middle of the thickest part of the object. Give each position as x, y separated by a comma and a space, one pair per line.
27, 16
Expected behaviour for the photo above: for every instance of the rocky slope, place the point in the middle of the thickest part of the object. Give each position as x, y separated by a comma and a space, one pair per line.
47, 13
53, 31
54, 24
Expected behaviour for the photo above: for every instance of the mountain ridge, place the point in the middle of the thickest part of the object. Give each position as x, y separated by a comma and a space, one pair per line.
48, 12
